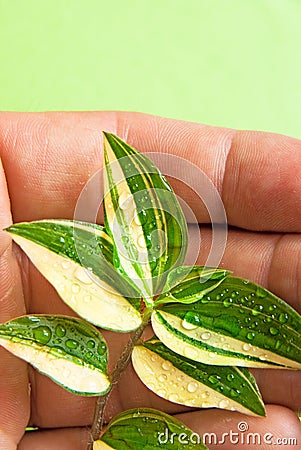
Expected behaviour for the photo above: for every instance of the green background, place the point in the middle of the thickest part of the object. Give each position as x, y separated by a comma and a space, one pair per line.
224, 62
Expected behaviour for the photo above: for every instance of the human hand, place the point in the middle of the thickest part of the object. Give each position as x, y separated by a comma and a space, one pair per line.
47, 159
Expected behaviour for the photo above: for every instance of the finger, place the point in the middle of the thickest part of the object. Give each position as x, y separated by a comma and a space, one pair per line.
14, 388
49, 157
68, 439
223, 429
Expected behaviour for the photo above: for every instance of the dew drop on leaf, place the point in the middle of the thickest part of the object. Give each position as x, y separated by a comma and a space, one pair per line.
283, 318
224, 403
206, 336
274, 331
246, 347
75, 288
234, 392
227, 302
101, 349
190, 352
213, 379
278, 345
42, 334
166, 365
188, 325
173, 397
192, 386
260, 292
65, 264
250, 336
230, 377
60, 331
162, 378
90, 344
71, 343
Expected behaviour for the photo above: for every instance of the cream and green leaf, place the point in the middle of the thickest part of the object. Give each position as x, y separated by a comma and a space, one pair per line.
208, 324
237, 323
76, 258
143, 217
147, 428
68, 350
191, 383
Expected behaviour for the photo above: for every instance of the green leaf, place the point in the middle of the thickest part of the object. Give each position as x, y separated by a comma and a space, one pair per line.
143, 217
76, 258
68, 350
181, 380
146, 429
238, 323
189, 284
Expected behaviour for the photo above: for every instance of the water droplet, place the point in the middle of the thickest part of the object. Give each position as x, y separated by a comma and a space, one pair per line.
227, 302
75, 288
89, 355
234, 392
42, 334
261, 292
62, 240
192, 386
213, 379
137, 220
190, 352
188, 325
263, 357
90, 344
141, 241
71, 343
247, 347
278, 345
274, 331
206, 336
224, 403
257, 309
230, 377
125, 200
173, 397
83, 275
283, 318
101, 349
161, 392
251, 336
212, 355
87, 298
66, 264
162, 378
205, 394
166, 365
60, 331
206, 405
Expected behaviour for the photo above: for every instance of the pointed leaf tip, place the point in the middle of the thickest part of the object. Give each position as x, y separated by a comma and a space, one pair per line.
68, 350
143, 217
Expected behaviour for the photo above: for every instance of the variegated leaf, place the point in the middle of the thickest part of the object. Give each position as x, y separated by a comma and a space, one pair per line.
68, 350
238, 323
187, 284
181, 380
76, 258
146, 429
143, 217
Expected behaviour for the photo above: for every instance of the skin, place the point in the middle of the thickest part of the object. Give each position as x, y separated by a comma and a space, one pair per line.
46, 160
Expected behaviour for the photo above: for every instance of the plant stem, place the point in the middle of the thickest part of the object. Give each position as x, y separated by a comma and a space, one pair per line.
119, 368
